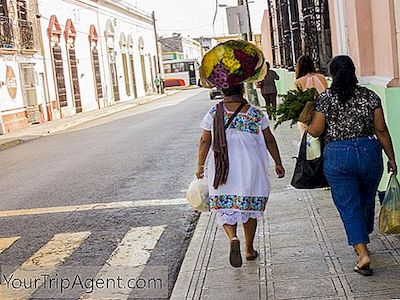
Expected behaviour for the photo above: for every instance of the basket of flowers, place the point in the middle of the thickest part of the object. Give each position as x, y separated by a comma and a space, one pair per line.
231, 63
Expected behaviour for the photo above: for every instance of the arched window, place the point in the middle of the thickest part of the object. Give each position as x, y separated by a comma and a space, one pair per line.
54, 32
122, 43
70, 37
110, 35
94, 54
132, 64
143, 64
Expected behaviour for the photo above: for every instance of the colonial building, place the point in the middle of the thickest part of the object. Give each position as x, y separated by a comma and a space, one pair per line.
366, 30
59, 58
97, 53
22, 74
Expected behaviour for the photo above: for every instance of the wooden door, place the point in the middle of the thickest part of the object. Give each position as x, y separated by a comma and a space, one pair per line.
126, 74
133, 78
97, 76
75, 79
114, 75
59, 74
143, 64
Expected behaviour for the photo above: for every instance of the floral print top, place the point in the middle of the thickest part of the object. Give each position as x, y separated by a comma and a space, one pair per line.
349, 120
253, 121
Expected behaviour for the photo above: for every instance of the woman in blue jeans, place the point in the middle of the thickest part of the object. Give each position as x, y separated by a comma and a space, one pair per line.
350, 120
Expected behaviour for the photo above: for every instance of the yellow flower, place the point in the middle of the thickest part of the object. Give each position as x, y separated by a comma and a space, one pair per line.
220, 51
250, 50
231, 64
210, 60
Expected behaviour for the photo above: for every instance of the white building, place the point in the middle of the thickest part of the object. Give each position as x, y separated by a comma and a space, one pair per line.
22, 74
97, 53
178, 47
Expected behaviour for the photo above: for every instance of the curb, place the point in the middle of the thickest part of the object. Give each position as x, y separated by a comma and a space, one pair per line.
192, 268
85, 119
10, 144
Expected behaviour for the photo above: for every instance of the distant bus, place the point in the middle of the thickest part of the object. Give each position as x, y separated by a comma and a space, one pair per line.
182, 70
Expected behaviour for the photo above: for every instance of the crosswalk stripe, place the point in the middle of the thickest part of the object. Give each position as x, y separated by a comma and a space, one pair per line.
6, 243
133, 250
47, 259
93, 206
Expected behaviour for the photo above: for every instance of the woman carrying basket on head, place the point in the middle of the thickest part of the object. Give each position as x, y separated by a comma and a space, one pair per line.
236, 139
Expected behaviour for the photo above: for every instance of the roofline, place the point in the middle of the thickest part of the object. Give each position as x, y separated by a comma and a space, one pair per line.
127, 9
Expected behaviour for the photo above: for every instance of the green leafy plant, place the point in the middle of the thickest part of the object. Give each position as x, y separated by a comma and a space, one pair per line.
292, 105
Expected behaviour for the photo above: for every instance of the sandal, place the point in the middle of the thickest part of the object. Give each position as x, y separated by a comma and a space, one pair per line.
365, 270
252, 257
235, 257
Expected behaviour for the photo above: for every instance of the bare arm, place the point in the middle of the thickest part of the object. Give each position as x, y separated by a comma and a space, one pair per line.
272, 147
383, 135
204, 147
317, 125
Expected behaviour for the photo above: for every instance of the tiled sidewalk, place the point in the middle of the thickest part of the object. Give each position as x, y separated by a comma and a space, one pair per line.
303, 251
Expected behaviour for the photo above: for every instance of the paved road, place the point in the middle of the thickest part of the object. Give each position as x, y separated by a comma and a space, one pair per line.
128, 160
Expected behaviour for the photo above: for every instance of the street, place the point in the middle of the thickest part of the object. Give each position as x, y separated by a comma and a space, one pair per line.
139, 161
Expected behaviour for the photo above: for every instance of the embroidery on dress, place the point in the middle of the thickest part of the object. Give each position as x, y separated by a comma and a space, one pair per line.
246, 203
249, 122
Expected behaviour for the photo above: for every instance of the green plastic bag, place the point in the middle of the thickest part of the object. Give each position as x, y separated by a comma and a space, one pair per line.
389, 216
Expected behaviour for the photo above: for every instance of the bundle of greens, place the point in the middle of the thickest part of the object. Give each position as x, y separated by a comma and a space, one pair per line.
292, 106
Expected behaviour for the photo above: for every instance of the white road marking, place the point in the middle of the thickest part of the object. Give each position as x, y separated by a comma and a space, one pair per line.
131, 254
6, 242
44, 261
93, 206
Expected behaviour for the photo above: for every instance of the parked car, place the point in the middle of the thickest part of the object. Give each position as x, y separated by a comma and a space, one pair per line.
216, 93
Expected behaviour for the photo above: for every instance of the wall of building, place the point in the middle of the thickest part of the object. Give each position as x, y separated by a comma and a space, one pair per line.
368, 31
13, 100
83, 15
191, 49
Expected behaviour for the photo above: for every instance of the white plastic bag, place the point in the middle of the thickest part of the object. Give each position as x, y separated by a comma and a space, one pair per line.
313, 148
197, 195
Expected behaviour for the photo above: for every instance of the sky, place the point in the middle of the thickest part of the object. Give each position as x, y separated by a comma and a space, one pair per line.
194, 17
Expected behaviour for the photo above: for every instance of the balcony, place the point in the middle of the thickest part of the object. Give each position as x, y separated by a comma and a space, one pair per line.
6, 33
26, 35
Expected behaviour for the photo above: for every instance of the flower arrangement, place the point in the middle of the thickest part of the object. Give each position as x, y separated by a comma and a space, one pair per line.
231, 63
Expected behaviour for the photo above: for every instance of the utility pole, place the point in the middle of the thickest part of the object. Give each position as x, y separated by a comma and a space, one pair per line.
161, 81
249, 87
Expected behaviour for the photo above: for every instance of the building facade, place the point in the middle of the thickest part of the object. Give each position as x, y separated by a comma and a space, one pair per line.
178, 47
22, 74
366, 30
86, 55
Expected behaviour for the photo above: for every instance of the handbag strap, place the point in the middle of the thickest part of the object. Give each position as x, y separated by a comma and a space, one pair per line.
232, 117
303, 147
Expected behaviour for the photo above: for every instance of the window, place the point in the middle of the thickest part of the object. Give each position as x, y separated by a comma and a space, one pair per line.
6, 27
178, 67
3, 8
167, 68
25, 27
300, 26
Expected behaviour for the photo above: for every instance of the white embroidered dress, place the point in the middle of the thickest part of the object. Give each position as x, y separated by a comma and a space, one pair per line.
247, 189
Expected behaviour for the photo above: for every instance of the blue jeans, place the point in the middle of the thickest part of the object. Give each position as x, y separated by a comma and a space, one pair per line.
353, 169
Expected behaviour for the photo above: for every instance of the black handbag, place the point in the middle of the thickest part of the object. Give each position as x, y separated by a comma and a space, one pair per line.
308, 174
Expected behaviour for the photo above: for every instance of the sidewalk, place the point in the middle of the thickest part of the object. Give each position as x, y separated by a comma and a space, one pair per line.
36, 131
302, 246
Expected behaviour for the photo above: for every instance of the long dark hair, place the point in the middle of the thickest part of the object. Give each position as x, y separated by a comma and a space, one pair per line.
304, 66
344, 77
